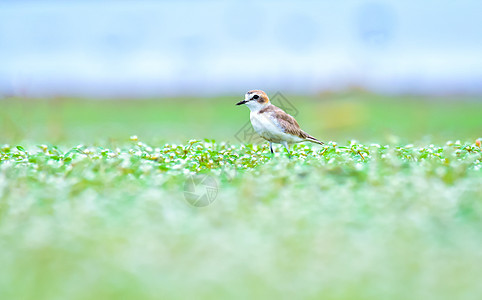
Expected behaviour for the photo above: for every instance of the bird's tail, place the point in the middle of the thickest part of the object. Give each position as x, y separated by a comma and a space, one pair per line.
309, 138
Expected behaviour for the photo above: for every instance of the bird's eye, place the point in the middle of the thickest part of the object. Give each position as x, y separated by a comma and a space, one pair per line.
255, 97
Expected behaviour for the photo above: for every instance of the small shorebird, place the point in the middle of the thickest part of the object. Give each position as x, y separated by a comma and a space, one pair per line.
272, 123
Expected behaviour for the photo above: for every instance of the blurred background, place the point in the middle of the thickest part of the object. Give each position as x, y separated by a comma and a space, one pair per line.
91, 71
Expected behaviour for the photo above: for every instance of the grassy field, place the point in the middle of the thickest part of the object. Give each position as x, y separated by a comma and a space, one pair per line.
339, 117
88, 211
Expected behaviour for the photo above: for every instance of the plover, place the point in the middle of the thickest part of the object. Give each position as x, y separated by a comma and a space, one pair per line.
272, 123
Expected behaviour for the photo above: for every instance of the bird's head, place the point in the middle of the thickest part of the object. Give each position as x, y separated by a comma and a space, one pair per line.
255, 100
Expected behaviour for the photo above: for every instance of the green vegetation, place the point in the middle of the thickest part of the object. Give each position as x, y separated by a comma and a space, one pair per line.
87, 213
365, 117
335, 222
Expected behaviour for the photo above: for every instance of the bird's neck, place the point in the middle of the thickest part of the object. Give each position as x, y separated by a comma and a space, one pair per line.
256, 107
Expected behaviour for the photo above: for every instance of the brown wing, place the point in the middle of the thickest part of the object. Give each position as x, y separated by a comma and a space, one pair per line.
287, 122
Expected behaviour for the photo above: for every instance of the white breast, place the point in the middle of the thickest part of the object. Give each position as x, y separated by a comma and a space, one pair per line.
269, 129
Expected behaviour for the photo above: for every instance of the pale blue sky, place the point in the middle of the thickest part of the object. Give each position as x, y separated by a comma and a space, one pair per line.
145, 48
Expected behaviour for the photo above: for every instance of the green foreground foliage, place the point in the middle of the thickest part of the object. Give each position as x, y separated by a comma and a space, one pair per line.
334, 222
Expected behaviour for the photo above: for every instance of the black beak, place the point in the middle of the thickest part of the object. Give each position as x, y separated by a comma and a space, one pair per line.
241, 102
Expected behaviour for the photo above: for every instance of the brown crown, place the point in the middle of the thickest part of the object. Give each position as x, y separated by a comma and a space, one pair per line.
263, 98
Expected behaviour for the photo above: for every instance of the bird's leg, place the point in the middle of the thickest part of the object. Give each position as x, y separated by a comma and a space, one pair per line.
287, 149
271, 147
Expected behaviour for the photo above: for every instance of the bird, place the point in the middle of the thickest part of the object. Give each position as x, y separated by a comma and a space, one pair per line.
272, 123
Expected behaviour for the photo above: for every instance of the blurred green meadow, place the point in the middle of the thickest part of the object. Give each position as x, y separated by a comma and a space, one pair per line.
330, 117
96, 200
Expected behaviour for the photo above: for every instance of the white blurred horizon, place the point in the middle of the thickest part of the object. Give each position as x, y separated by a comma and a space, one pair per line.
159, 48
